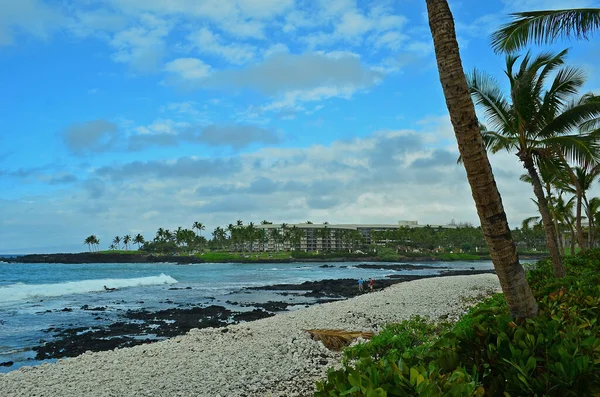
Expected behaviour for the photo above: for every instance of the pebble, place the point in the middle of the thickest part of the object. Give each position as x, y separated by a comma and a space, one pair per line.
269, 357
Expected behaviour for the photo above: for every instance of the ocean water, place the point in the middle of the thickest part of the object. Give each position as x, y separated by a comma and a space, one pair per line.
36, 297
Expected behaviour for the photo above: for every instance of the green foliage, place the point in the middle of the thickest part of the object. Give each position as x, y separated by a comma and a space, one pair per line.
487, 352
328, 255
387, 254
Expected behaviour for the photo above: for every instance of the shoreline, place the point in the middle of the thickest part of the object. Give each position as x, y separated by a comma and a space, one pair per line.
272, 356
141, 326
87, 258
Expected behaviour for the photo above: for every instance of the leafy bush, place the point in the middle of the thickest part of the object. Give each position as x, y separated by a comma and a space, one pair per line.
488, 353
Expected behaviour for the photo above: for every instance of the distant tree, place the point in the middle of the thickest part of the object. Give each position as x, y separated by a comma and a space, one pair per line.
89, 241
199, 226
117, 242
96, 242
126, 241
139, 240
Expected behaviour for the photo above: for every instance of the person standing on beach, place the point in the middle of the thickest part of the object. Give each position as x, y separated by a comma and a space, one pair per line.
360, 284
371, 283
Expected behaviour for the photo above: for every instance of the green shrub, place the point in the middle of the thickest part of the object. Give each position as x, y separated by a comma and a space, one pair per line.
488, 353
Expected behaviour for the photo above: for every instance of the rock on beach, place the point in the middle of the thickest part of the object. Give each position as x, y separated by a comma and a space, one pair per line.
268, 357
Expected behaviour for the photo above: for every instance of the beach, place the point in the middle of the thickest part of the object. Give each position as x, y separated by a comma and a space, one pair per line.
268, 357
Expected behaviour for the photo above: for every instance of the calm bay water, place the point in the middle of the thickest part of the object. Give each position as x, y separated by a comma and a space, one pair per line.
35, 297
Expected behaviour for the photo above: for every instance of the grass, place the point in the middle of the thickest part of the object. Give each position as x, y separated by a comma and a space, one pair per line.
125, 252
236, 256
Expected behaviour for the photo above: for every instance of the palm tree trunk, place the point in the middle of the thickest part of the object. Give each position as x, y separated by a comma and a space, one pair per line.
559, 270
561, 248
580, 238
590, 222
485, 193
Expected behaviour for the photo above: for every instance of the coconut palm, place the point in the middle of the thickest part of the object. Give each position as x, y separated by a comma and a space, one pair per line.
139, 240
487, 199
538, 124
126, 241
117, 241
95, 242
251, 234
592, 210
199, 226
564, 215
543, 27
577, 181
89, 241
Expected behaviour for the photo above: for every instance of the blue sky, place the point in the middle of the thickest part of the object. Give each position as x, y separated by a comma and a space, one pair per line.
122, 116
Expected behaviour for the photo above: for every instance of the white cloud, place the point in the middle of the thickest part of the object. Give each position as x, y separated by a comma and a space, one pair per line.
32, 17
188, 68
207, 42
141, 46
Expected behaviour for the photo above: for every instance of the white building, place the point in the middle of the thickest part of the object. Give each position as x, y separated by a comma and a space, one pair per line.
326, 237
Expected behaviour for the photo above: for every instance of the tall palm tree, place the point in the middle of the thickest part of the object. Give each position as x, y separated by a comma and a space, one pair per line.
592, 210
577, 181
89, 240
95, 242
487, 199
139, 240
537, 124
564, 215
117, 242
251, 234
126, 241
543, 27
199, 226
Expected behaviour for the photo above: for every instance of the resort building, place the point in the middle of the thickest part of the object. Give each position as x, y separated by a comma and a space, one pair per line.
310, 237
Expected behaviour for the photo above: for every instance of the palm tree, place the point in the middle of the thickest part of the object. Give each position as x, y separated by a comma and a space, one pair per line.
251, 234
160, 235
199, 226
276, 236
543, 27
89, 240
126, 241
577, 181
112, 247
487, 199
592, 210
117, 242
564, 214
536, 123
95, 242
139, 240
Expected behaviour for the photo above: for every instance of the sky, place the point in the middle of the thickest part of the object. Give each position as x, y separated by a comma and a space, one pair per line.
122, 116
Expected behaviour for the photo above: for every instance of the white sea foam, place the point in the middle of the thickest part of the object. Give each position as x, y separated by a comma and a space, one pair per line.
22, 292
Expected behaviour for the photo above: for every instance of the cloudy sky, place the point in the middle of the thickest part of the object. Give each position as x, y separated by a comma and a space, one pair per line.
122, 116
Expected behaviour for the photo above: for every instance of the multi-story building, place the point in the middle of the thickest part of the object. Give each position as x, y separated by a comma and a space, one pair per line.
328, 237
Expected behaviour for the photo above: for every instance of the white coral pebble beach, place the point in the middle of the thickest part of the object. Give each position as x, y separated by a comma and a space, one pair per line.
268, 357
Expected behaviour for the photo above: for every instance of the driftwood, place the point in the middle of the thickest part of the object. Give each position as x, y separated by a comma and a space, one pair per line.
335, 339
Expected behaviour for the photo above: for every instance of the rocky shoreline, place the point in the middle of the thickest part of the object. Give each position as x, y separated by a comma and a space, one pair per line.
273, 356
94, 257
137, 327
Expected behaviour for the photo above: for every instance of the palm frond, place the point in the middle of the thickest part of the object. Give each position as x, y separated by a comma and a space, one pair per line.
576, 148
527, 222
571, 119
566, 84
335, 339
525, 178
487, 94
543, 27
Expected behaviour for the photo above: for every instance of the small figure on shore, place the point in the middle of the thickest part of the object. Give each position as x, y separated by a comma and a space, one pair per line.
371, 284
109, 289
360, 285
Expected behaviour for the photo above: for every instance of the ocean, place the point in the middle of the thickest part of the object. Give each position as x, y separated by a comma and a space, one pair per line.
36, 298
